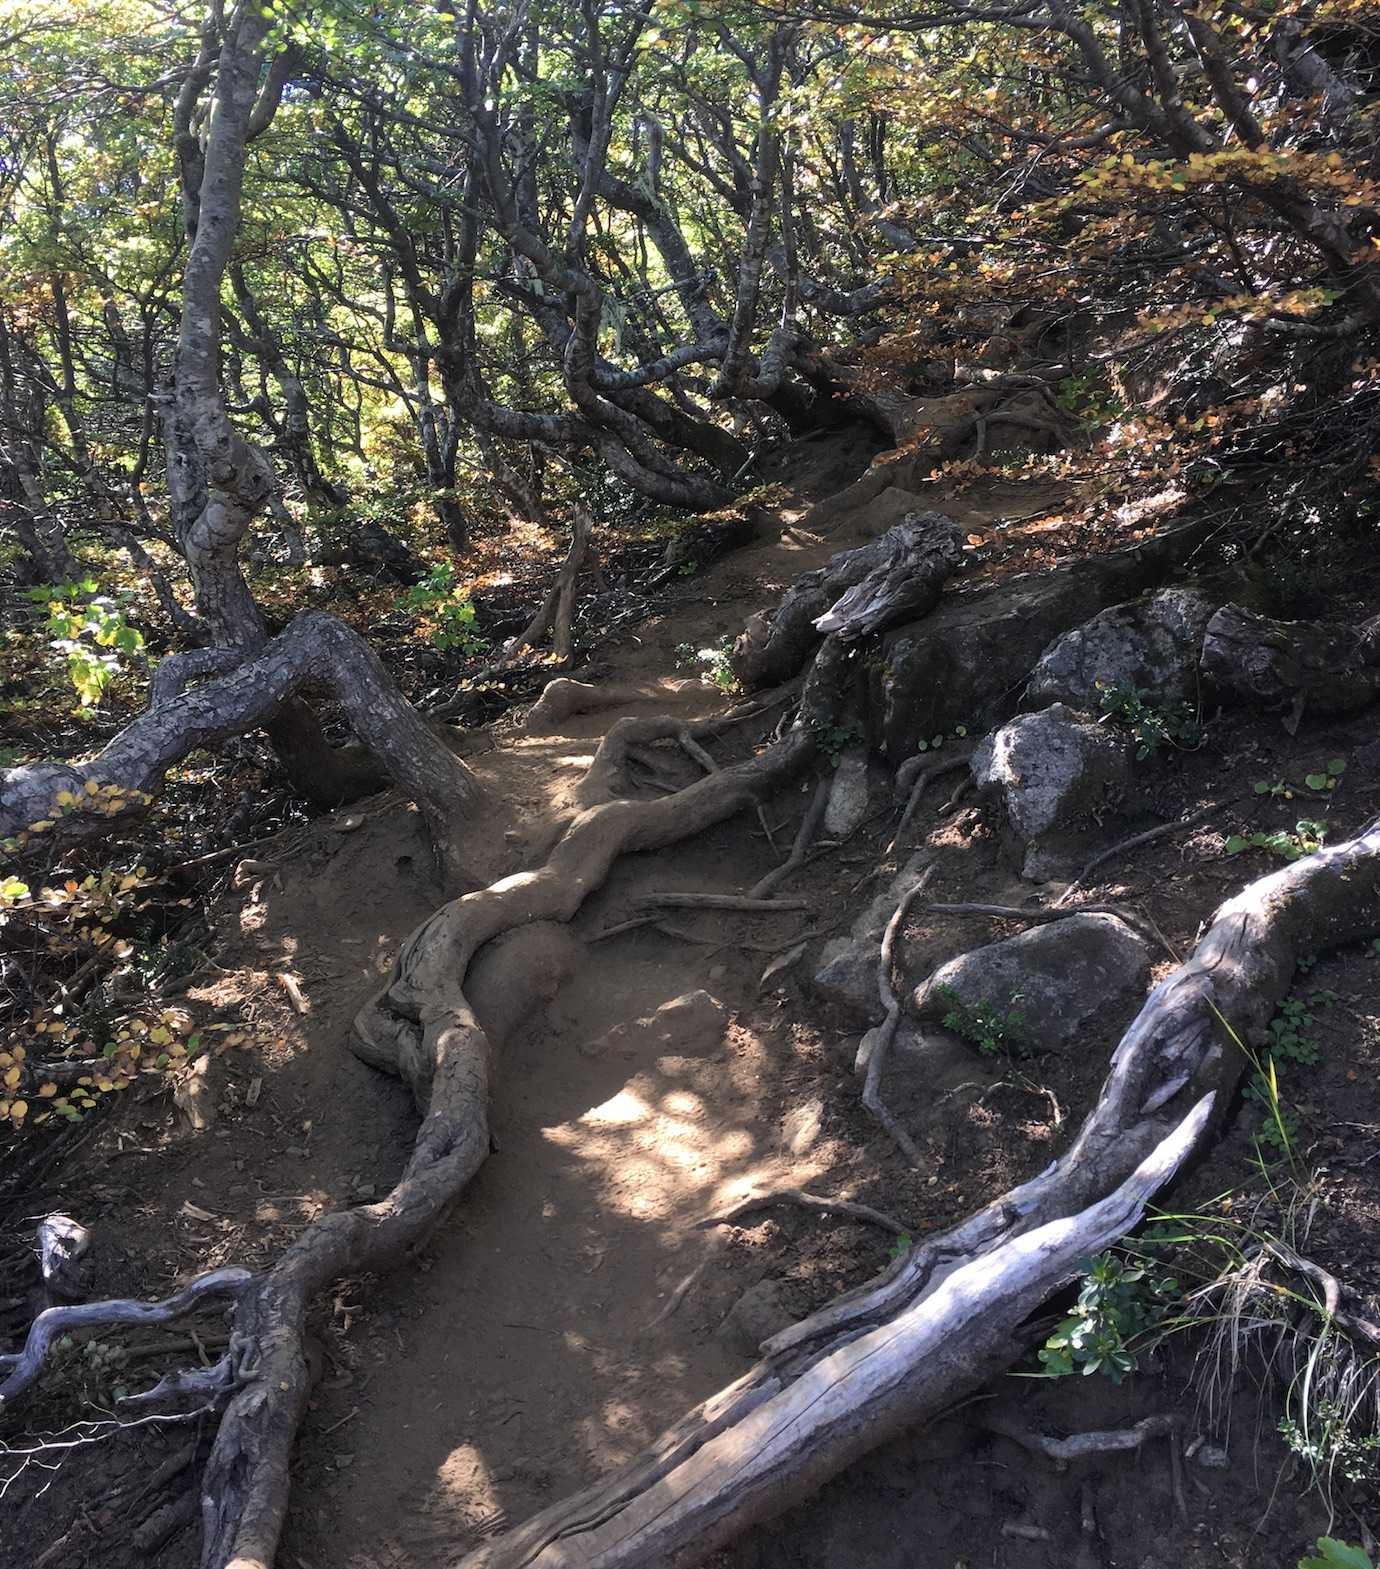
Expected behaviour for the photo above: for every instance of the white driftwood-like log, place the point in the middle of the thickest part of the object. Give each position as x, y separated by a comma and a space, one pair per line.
904, 571
946, 1316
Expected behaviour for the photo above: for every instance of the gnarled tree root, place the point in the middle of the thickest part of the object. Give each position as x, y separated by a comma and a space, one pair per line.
313, 647
425, 1027
948, 1315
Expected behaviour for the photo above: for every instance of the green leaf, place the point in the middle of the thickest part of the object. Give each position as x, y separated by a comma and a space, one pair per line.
1334, 1554
1262, 787
1316, 781
1336, 765
1236, 844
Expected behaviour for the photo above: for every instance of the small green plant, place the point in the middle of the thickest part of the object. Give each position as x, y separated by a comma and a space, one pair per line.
1118, 1301
984, 1025
1329, 1553
833, 740
713, 663
90, 629
1329, 777
445, 616
1152, 725
1089, 399
1306, 839
688, 568
901, 1246
1329, 1442
959, 732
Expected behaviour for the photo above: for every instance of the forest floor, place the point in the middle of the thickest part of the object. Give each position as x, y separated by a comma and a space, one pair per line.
529, 1347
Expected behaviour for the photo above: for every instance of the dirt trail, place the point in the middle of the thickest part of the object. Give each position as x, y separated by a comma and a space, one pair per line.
520, 1360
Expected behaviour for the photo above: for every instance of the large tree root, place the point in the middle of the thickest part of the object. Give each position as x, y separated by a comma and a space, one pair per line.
948, 1315
314, 647
430, 1026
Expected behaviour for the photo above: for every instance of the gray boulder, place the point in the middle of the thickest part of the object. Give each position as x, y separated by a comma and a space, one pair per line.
1051, 776
850, 798
1150, 644
1053, 986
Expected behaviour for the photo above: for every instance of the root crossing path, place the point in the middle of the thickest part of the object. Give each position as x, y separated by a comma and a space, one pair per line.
566, 1310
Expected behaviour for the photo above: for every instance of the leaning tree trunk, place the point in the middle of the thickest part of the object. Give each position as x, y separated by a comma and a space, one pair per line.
83, 797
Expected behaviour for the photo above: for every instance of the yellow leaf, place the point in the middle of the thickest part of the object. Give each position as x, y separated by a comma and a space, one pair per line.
20, 1052
13, 1076
161, 1036
47, 1090
41, 827
19, 1110
66, 798
92, 788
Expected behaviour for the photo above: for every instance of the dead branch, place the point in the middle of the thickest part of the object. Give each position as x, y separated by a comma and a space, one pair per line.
54, 1322
743, 903
1136, 840
1078, 1446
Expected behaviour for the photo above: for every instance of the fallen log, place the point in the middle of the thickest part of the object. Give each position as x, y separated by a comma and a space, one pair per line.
947, 1316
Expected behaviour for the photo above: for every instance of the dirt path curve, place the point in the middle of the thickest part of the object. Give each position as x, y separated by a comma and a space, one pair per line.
519, 1359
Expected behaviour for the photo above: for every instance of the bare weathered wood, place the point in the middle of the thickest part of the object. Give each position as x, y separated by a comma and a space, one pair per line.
1327, 666
904, 569
946, 1316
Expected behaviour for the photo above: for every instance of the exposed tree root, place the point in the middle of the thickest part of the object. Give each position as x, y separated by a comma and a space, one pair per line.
946, 1316
429, 1027
313, 647
802, 1200
874, 1046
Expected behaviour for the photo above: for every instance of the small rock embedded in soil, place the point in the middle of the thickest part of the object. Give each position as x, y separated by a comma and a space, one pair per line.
1079, 979
801, 1125
756, 1316
687, 1025
849, 794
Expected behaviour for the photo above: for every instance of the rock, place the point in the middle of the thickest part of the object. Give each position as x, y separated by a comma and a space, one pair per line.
686, 1026
756, 1316
1213, 1457
801, 1125
1051, 775
1082, 978
846, 973
961, 665
1149, 644
849, 795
